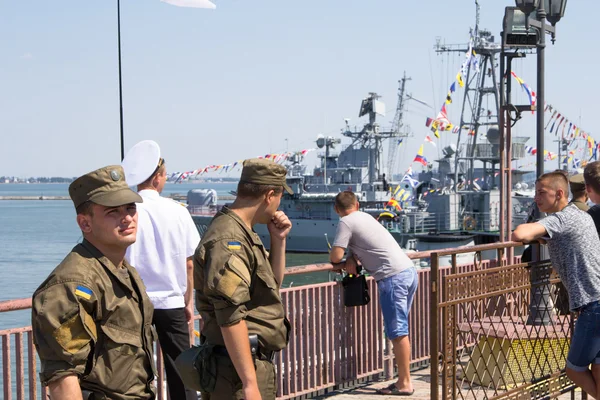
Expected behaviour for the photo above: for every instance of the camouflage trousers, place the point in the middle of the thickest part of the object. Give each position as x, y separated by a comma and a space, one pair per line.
229, 384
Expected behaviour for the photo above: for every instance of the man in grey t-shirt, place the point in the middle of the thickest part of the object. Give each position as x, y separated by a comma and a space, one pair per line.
573, 243
370, 243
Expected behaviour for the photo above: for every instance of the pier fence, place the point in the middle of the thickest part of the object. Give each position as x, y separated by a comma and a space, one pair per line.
499, 331
332, 346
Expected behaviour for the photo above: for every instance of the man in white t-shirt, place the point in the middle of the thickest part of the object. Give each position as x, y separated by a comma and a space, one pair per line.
163, 252
370, 243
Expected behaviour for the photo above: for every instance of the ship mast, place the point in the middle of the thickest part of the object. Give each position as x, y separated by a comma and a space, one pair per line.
479, 84
397, 124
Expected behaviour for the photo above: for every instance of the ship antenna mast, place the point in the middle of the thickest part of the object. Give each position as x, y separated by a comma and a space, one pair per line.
477, 15
397, 124
480, 82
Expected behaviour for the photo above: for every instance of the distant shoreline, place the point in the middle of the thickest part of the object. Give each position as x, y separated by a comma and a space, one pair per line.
188, 182
35, 198
174, 196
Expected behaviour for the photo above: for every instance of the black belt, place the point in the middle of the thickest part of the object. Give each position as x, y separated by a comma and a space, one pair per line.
261, 354
583, 307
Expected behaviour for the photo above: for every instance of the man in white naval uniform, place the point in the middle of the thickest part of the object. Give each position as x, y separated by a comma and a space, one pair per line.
162, 253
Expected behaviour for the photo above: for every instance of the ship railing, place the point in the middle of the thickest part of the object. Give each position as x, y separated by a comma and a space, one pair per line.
419, 223
330, 345
426, 223
324, 215
203, 210
480, 221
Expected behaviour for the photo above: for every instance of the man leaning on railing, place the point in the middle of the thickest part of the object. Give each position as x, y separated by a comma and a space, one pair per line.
573, 244
397, 280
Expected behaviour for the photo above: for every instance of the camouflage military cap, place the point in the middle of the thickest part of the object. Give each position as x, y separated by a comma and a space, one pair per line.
264, 172
577, 183
105, 186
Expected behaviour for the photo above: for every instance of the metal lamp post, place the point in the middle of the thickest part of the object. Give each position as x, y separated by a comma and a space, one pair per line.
120, 82
180, 3
552, 10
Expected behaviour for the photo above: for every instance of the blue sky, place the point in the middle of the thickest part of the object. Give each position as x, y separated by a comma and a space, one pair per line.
215, 86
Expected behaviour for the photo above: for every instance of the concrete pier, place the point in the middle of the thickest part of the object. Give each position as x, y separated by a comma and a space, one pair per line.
421, 383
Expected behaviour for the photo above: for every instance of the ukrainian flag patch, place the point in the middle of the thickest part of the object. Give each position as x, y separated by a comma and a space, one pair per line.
84, 292
234, 245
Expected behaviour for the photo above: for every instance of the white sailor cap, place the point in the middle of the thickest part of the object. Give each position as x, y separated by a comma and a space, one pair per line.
141, 161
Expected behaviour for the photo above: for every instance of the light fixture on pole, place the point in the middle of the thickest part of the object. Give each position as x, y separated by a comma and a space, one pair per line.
527, 6
555, 10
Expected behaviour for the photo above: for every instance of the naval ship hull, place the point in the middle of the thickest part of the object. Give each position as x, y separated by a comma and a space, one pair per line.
306, 236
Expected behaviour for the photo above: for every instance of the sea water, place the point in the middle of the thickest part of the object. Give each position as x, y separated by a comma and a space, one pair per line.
35, 235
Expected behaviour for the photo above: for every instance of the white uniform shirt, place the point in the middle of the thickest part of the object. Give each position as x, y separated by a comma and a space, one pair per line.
166, 237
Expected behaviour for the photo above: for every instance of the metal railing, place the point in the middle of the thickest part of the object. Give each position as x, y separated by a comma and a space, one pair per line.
24, 362
486, 341
332, 345
329, 344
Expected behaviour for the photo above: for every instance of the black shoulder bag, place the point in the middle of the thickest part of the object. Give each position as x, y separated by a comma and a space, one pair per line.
356, 290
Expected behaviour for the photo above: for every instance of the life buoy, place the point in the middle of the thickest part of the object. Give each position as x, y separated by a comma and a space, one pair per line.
469, 223
386, 216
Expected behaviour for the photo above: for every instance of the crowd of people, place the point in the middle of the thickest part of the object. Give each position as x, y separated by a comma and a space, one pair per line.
131, 281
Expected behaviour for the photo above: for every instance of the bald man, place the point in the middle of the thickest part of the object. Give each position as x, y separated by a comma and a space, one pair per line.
573, 243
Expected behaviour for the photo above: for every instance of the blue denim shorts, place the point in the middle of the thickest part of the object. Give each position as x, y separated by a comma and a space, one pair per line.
396, 295
585, 343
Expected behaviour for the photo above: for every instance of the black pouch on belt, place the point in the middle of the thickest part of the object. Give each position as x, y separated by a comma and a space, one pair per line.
197, 367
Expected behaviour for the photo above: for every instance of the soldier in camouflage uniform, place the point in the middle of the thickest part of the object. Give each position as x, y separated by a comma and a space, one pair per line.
237, 286
578, 192
91, 318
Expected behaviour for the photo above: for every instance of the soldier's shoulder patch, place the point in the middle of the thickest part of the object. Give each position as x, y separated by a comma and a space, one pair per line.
228, 283
237, 265
82, 291
234, 281
71, 335
234, 245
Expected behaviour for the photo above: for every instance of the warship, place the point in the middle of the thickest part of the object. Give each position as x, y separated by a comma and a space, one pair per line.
454, 202
356, 167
